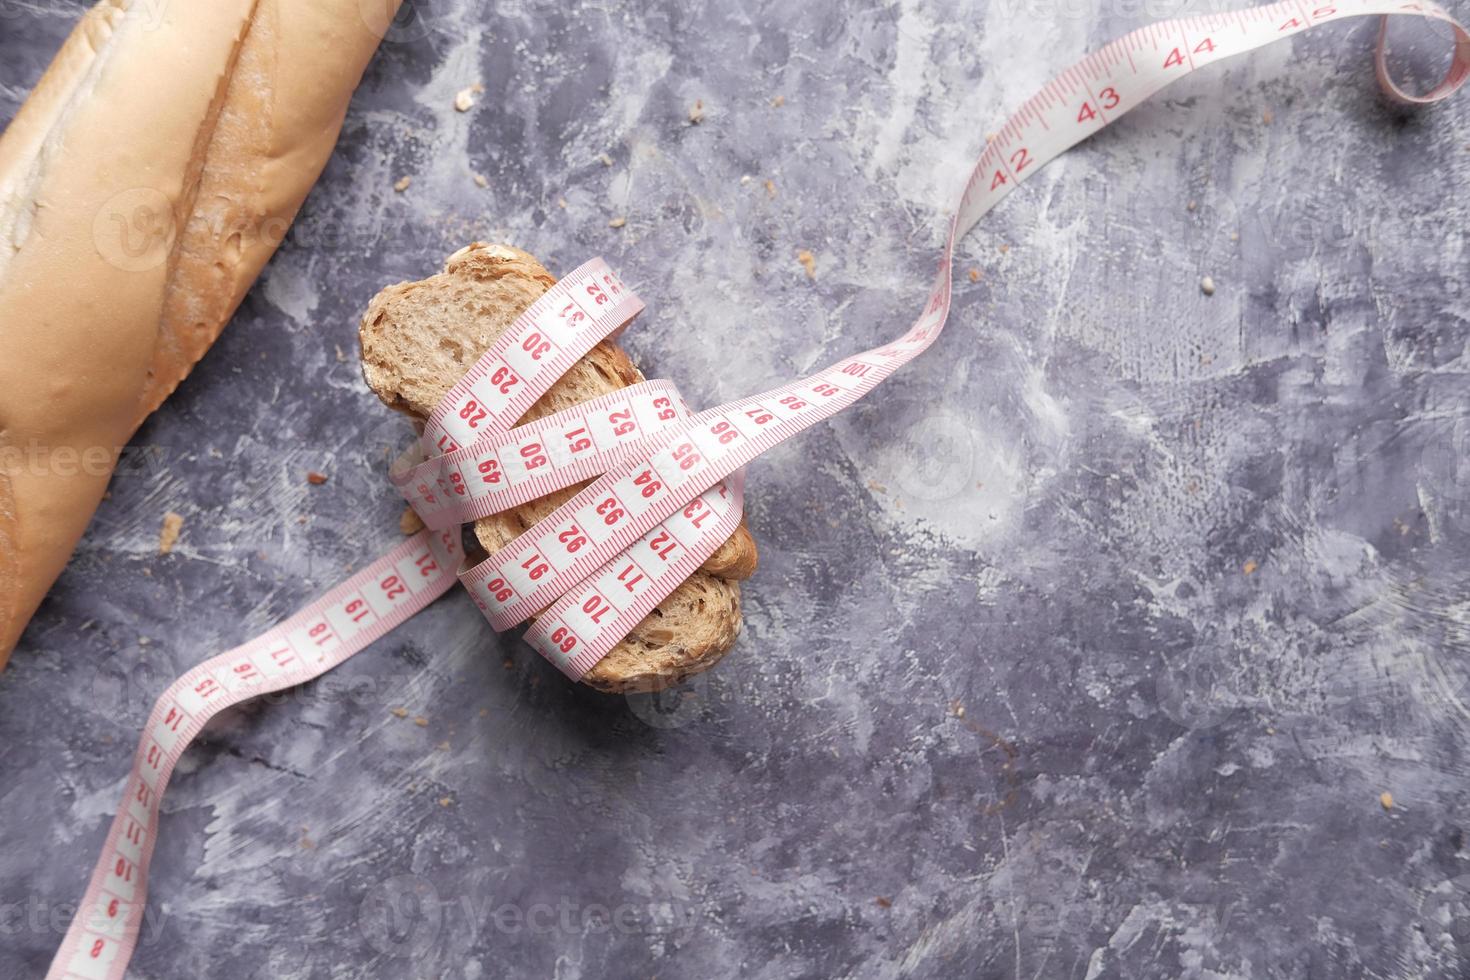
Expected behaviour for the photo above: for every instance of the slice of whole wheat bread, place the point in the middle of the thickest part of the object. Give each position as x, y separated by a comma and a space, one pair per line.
419, 338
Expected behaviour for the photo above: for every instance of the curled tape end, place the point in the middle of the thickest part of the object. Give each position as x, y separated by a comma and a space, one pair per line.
1455, 76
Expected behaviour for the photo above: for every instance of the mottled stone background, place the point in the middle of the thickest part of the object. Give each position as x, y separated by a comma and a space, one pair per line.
1107, 685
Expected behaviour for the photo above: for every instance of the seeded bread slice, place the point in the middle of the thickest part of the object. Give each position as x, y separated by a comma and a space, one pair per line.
419, 338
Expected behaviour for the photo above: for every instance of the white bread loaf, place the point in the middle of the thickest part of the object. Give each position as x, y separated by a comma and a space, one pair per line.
143, 186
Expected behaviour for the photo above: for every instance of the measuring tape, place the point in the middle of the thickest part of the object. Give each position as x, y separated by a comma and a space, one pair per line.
367, 606
669, 488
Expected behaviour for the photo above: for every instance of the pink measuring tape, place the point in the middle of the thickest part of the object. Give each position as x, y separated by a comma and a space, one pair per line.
669, 482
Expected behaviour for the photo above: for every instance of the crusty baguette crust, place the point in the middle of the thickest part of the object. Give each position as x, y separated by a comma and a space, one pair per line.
286, 102
82, 55
21, 162
157, 133
418, 339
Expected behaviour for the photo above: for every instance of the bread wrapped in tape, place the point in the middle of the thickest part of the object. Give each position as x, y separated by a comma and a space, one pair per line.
418, 340
143, 186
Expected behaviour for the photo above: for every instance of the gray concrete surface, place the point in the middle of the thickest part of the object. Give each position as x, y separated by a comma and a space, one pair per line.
1107, 687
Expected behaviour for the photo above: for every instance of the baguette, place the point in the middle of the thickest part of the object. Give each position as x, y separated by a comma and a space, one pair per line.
143, 186
419, 339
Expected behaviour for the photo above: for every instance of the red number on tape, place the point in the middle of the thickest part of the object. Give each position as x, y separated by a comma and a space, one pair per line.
610, 511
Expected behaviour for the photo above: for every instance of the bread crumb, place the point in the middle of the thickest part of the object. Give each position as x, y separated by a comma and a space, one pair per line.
1385, 799
399, 712
481, 181
957, 709
1250, 567
1207, 286
696, 112
316, 479
445, 801
464, 101
771, 188
1004, 249
421, 721
778, 101
1268, 117
410, 523
561, 202
168, 535
808, 262
404, 183
974, 275
443, 746
1191, 206
605, 160
883, 903
617, 222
